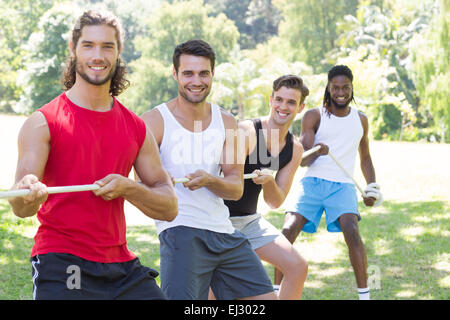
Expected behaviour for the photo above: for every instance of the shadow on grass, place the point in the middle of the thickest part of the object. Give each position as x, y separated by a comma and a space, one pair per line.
143, 241
408, 254
407, 244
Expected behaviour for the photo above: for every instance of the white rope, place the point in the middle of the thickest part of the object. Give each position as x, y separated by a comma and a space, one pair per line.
347, 174
51, 190
90, 187
372, 190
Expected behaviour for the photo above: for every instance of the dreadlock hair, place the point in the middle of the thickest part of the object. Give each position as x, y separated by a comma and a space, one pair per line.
93, 18
339, 70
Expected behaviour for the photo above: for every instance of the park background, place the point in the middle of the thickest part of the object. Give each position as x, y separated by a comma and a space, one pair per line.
399, 54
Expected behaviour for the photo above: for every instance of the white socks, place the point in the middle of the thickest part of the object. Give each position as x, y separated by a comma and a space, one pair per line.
364, 293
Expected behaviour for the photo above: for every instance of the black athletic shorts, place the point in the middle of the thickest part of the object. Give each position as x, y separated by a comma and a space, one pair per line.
62, 276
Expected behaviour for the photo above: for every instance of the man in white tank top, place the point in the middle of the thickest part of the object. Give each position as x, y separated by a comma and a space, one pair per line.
200, 248
343, 131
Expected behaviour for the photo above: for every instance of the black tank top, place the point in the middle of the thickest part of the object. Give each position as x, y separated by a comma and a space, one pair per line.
258, 159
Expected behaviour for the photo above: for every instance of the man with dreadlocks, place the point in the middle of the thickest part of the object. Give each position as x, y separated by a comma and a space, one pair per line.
86, 135
342, 130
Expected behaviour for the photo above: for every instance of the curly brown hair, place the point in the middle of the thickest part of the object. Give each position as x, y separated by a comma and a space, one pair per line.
92, 18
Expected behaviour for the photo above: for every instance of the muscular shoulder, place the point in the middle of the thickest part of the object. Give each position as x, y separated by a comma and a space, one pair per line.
364, 120
311, 118
36, 126
154, 122
247, 126
297, 150
312, 115
229, 120
363, 117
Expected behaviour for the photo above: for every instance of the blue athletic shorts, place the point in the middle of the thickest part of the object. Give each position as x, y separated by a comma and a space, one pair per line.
316, 195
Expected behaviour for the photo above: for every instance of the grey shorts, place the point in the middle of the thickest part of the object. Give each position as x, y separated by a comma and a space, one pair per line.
258, 230
192, 260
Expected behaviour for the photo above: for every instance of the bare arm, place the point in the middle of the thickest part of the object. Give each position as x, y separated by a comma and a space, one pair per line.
310, 124
364, 154
33, 147
154, 195
276, 190
231, 185
367, 167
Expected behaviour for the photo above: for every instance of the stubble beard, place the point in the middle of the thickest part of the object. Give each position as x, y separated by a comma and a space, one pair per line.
195, 101
85, 77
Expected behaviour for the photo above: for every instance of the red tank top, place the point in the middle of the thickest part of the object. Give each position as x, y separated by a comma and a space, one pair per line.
86, 146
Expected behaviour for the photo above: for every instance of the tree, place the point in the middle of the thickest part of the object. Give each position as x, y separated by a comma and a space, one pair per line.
309, 26
47, 51
171, 25
18, 20
132, 14
256, 20
431, 64
237, 85
244, 85
385, 34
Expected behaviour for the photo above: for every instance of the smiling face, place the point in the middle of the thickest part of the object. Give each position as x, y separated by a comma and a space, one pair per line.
96, 54
284, 105
194, 78
341, 91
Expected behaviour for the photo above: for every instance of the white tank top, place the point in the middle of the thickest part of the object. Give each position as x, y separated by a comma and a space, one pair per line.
342, 135
183, 152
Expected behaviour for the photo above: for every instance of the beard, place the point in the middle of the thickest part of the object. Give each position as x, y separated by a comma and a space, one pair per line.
341, 105
94, 81
198, 99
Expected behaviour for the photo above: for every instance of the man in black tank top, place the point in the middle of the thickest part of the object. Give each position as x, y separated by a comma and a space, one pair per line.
269, 144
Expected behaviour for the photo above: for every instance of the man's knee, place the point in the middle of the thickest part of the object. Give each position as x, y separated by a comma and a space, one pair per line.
293, 224
301, 267
349, 226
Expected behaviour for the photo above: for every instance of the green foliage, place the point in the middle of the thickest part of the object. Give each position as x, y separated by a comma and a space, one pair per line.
256, 20
47, 51
398, 51
309, 26
18, 20
387, 122
385, 35
170, 26
132, 14
431, 57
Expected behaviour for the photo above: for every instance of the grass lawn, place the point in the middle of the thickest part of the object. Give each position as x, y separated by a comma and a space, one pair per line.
407, 239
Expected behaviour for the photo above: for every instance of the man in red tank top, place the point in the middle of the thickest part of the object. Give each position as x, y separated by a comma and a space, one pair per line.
86, 136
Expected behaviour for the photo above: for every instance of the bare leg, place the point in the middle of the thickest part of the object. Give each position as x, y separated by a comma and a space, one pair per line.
357, 252
293, 224
283, 255
266, 296
211, 295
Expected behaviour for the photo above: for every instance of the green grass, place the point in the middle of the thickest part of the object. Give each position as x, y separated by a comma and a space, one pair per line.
15, 247
407, 243
407, 239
